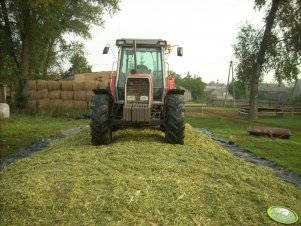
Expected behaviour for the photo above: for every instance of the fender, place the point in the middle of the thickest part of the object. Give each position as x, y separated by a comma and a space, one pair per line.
175, 91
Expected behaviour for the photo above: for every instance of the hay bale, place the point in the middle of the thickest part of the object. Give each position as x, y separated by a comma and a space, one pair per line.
67, 85
80, 95
90, 85
77, 86
67, 95
32, 94
42, 94
68, 104
80, 105
31, 85
43, 103
54, 85
54, 94
90, 95
103, 81
42, 84
102, 84
55, 103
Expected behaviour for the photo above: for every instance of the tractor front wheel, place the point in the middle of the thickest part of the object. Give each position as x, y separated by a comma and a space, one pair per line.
175, 123
101, 129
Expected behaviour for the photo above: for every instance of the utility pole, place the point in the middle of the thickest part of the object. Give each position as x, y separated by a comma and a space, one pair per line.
228, 83
233, 87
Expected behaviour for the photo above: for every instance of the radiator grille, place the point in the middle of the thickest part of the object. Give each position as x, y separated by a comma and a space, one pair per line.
137, 90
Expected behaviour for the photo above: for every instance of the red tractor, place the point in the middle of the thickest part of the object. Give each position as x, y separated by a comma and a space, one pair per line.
140, 93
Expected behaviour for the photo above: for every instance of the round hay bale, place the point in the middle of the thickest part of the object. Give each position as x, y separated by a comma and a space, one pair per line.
31, 85
80, 105
32, 104
90, 95
54, 94
54, 85
55, 103
80, 95
67, 85
79, 86
32, 94
43, 103
42, 84
67, 95
68, 104
42, 94
90, 85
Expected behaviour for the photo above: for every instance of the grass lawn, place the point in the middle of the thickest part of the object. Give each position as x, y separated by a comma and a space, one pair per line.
19, 131
232, 126
140, 180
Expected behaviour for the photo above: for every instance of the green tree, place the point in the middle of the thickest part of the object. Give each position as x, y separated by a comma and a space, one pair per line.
278, 50
75, 52
240, 89
192, 83
79, 64
31, 33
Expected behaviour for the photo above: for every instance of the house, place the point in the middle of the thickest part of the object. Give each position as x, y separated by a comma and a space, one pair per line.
217, 91
273, 92
187, 94
297, 92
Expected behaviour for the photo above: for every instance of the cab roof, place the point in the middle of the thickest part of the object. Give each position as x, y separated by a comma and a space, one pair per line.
150, 42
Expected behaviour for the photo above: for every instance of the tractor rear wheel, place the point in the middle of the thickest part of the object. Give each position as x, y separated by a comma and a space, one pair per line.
101, 130
175, 123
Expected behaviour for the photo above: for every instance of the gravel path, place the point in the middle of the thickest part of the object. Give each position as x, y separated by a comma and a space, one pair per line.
249, 156
37, 146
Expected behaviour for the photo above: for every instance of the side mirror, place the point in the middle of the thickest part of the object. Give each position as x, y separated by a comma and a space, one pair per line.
180, 51
105, 50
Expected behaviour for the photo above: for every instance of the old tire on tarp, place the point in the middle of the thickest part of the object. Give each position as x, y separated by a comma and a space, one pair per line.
101, 130
175, 123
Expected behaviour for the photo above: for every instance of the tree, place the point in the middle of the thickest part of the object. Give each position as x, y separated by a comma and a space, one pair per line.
278, 49
192, 83
241, 90
31, 32
245, 51
79, 64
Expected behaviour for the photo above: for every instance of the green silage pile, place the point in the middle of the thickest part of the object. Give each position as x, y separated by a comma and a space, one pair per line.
140, 180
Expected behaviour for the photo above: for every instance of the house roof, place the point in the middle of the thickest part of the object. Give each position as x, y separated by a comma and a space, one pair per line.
272, 87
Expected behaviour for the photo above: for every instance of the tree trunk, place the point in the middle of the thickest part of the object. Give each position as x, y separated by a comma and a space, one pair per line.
253, 112
21, 100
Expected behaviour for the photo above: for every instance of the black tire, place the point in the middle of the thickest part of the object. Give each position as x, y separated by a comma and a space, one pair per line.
101, 130
175, 122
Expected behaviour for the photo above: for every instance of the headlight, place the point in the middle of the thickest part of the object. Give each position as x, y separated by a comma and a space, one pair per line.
144, 98
130, 98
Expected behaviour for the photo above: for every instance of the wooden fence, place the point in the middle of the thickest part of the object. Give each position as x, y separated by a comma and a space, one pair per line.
65, 95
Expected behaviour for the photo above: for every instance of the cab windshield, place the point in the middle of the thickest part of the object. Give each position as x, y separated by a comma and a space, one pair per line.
149, 61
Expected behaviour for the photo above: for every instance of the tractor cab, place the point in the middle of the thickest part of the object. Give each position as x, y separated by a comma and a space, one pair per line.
141, 57
140, 94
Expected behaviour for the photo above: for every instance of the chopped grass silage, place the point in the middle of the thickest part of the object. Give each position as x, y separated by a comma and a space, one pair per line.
140, 180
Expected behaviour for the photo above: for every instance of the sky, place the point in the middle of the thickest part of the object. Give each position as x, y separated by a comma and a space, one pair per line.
206, 29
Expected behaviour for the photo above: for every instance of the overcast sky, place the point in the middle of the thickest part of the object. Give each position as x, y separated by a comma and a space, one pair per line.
206, 29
